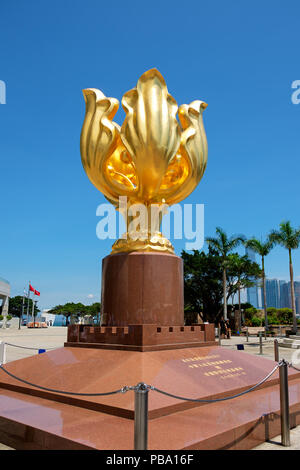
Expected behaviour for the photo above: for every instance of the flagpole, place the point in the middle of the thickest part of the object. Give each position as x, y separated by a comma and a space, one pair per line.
28, 297
23, 304
32, 312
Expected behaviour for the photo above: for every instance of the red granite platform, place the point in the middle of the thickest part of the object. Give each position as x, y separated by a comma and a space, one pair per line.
32, 418
141, 337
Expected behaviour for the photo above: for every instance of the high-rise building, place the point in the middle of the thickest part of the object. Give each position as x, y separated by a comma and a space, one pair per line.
252, 292
285, 295
297, 296
278, 294
273, 293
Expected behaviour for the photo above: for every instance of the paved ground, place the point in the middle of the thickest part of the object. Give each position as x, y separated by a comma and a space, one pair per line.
45, 338
252, 347
291, 355
38, 338
275, 443
54, 337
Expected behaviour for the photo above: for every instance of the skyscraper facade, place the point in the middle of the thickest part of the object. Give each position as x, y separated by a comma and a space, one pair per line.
285, 295
279, 294
252, 292
273, 293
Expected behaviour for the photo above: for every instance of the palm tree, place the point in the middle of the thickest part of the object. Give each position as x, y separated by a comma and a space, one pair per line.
262, 248
289, 238
224, 245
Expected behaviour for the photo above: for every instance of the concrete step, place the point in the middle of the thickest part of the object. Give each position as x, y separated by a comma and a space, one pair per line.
289, 343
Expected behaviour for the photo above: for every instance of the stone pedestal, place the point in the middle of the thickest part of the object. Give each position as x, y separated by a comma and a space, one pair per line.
32, 418
142, 288
142, 307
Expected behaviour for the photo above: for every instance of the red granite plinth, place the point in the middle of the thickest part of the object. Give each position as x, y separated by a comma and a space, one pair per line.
142, 307
38, 419
141, 337
142, 288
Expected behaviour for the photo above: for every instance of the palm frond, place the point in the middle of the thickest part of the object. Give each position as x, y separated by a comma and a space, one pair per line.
224, 244
286, 236
260, 247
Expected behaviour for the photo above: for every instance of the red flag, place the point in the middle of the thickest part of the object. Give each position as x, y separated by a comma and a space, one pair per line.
36, 292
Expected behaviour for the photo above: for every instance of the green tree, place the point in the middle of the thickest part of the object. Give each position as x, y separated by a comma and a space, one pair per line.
224, 245
241, 273
250, 312
285, 315
203, 284
70, 309
76, 310
15, 306
94, 310
262, 248
289, 238
8, 317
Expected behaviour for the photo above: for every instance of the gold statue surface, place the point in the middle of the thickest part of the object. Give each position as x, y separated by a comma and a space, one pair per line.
152, 159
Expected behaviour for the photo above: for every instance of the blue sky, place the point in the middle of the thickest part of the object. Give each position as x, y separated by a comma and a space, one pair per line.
241, 58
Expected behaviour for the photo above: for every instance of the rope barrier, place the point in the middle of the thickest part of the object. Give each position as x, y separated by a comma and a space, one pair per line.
293, 367
127, 388
122, 390
141, 391
218, 399
25, 347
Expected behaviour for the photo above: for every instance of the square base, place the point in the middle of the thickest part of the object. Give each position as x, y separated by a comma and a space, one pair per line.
141, 337
32, 418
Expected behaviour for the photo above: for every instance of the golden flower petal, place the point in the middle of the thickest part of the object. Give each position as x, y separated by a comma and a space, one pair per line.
190, 161
103, 154
150, 132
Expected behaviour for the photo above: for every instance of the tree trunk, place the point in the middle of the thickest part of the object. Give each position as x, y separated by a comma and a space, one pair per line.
224, 295
293, 293
264, 292
240, 312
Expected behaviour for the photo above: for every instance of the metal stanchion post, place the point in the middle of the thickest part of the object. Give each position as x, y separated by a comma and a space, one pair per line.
2, 353
219, 335
265, 334
141, 417
284, 404
276, 350
260, 343
247, 334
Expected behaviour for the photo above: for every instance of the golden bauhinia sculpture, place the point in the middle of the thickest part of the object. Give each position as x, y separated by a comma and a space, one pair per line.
151, 160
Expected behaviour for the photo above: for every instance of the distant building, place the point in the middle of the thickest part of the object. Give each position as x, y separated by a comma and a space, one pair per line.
273, 293
252, 292
51, 319
278, 294
4, 295
285, 295
285, 300
297, 295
